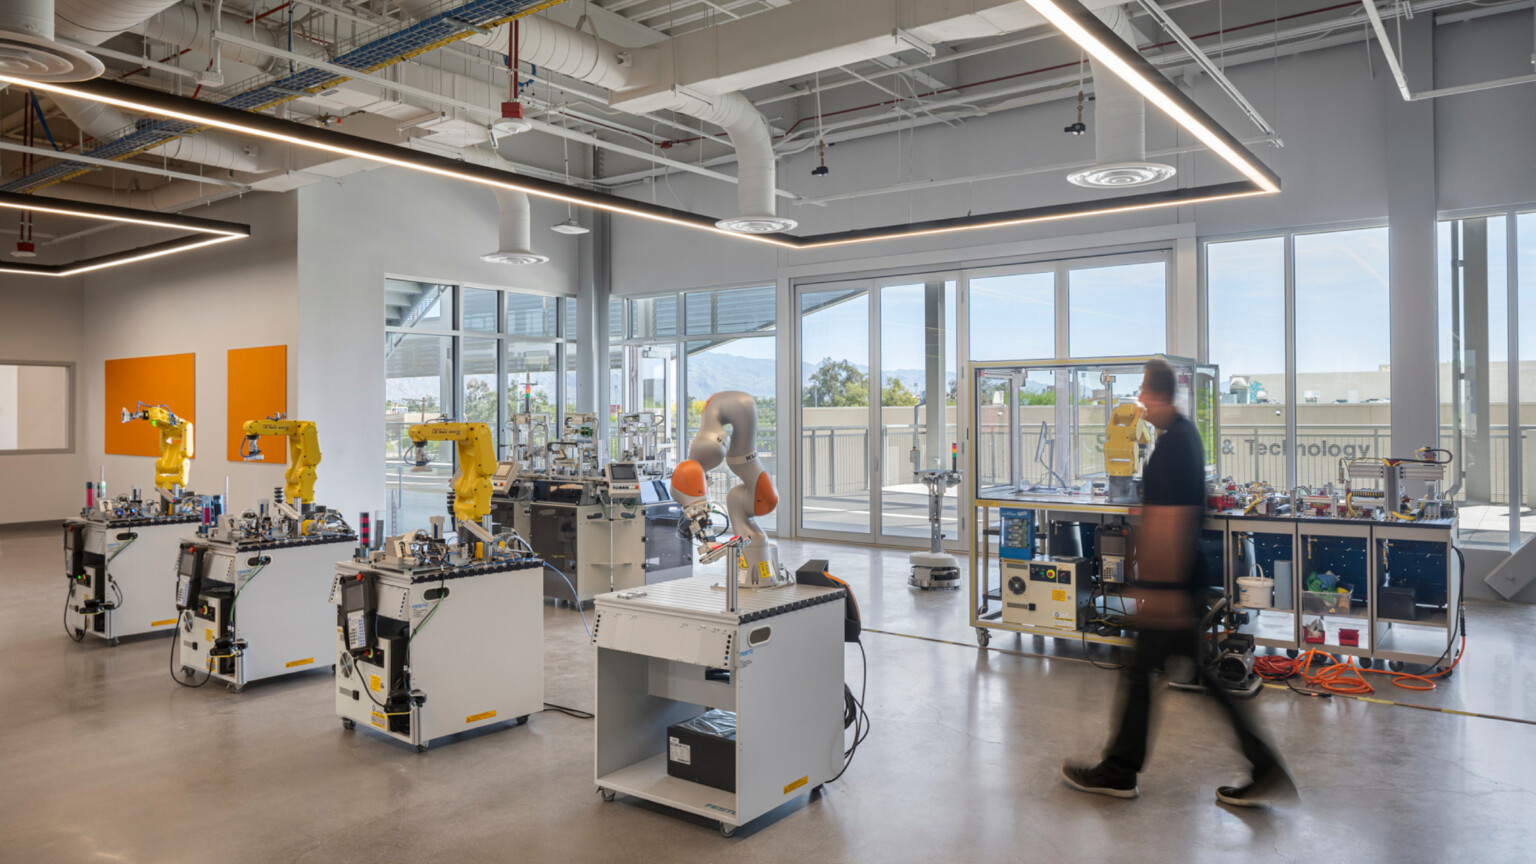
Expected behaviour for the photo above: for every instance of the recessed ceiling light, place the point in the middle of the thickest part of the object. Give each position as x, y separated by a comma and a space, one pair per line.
757, 224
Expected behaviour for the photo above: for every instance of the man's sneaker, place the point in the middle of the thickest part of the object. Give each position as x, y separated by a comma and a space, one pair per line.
1272, 785
1092, 778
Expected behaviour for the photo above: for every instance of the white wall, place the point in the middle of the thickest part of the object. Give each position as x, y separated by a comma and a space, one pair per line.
42, 320
239, 294
397, 223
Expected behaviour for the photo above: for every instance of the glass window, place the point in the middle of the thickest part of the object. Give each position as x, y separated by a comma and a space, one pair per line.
917, 399
478, 400
834, 437
1525, 262
568, 320
1343, 350
1472, 276
480, 310
1118, 310
418, 386
652, 317
1245, 338
531, 378
1013, 317
615, 321
418, 305
531, 315
730, 310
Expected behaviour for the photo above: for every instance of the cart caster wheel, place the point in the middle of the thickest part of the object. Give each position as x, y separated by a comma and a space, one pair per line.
1292, 653
1365, 662
348, 723
79, 634
421, 748
1444, 672
727, 830
236, 688
818, 789
1396, 665
114, 641
523, 720
608, 794
188, 672
983, 636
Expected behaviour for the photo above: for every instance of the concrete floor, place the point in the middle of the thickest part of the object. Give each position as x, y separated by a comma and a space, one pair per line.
105, 759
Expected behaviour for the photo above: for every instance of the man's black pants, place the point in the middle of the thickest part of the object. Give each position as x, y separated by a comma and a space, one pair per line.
1128, 750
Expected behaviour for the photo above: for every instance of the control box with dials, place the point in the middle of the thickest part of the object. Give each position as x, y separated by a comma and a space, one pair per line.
1046, 593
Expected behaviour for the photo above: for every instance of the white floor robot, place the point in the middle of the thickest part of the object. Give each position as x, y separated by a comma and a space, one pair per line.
935, 570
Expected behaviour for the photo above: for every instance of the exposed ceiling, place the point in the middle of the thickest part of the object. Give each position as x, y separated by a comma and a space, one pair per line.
449, 96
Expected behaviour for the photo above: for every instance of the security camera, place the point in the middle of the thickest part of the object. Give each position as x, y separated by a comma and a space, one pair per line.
1077, 128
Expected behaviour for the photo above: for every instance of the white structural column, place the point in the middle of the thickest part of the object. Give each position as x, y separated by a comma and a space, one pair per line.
1411, 203
594, 287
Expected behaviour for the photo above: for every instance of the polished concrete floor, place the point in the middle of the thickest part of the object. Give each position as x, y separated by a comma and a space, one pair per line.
104, 759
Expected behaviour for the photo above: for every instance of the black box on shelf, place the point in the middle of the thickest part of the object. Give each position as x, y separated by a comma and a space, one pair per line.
1399, 604
703, 750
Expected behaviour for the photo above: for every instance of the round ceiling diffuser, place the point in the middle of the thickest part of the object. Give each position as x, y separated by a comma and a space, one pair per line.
1121, 174
25, 55
757, 224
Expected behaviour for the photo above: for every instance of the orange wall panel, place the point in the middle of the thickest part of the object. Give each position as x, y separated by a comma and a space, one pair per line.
167, 380
258, 388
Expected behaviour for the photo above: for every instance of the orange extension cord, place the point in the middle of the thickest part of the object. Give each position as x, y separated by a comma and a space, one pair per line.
1344, 676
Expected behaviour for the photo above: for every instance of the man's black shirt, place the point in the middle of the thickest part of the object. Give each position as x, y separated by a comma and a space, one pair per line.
1175, 477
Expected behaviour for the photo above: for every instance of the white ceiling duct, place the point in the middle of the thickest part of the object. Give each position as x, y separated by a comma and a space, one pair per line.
93, 22
1119, 125
27, 49
213, 149
571, 52
189, 27
515, 230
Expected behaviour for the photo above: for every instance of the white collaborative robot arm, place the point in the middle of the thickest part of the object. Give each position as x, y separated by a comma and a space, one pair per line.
754, 496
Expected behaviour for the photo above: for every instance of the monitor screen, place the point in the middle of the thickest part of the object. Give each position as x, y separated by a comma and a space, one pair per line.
622, 471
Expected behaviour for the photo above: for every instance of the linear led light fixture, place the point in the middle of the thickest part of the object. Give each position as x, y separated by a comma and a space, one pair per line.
204, 232
1069, 16
1105, 46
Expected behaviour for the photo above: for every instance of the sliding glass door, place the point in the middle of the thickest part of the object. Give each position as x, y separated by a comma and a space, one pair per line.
878, 369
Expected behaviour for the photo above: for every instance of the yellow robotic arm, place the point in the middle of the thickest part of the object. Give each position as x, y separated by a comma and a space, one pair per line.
477, 464
303, 451
172, 467
1127, 434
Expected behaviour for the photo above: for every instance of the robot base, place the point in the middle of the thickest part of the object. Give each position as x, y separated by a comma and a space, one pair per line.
934, 571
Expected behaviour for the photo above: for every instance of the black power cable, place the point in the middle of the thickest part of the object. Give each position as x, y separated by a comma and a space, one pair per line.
861, 724
175, 643
68, 630
570, 712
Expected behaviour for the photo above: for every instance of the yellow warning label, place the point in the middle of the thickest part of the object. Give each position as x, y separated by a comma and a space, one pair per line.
374, 683
763, 571
483, 715
305, 662
162, 623
796, 785
379, 720
208, 633
1058, 595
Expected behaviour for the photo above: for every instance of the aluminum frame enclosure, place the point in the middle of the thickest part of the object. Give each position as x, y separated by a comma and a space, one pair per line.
479, 663
145, 572
783, 650
283, 612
